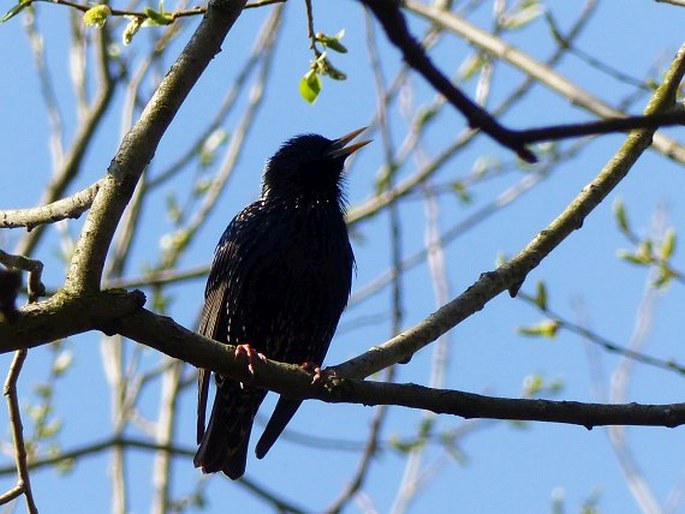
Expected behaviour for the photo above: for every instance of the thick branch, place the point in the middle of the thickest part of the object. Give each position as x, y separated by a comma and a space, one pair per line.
510, 276
140, 143
64, 315
117, 311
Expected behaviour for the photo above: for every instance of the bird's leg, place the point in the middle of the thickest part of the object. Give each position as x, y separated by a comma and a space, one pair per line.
317, 371
252, 356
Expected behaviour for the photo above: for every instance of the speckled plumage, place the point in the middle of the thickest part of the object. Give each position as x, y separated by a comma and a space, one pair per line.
279, 282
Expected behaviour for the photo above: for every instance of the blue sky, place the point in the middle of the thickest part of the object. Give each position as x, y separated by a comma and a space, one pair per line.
505, 467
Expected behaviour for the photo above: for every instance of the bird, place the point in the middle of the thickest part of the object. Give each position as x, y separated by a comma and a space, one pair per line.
279, 281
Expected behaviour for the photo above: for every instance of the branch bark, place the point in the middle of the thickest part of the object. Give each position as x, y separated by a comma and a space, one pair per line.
140, 143
111, 311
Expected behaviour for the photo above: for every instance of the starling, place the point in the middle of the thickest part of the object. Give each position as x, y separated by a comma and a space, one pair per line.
280, 279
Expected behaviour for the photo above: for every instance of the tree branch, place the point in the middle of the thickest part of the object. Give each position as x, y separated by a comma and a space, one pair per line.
119, 311
389, 15
116, 311
71, 207
510, 276
140, 143
10, 392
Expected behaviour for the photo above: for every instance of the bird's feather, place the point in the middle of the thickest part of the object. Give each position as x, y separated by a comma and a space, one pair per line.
280, 279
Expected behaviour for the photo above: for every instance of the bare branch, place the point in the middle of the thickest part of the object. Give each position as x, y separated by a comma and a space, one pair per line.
34, 268
679, 3
510, 276
10, 392
112, 309
541, 73
71, 207
388, 13
140, 144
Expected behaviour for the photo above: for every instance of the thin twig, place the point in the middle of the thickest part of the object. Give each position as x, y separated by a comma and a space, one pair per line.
47, 89
543, 75
379, 201
70, 207
34, 267
10, 392
388, 13
643, 494
511, 275
310, 27
373, 441
604, 343
171, 15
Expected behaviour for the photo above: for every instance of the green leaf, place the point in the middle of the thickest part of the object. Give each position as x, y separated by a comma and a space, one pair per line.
62, 362
157, 18
645, 251
49, 430
462, 192
173, 209
43, 391
632, 258
322, 66
668, 245
547, 328
526, 14
210, 145
405, 447
537, 385
97, 16
384, 179
425, 115
541, 295
664, 277
532, 385
310, 86
471, 66
621, 216
332, 42
131, 29
202, 185
14, 11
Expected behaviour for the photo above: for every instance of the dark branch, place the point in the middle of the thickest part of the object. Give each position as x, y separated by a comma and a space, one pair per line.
112, 311
388, 13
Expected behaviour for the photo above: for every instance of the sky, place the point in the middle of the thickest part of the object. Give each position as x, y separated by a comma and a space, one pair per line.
501, 466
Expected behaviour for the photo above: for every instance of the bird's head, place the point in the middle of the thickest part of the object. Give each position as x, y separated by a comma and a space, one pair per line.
309, 166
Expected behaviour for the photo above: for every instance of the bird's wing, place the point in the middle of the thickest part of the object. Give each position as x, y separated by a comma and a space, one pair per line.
217, 309
214, 315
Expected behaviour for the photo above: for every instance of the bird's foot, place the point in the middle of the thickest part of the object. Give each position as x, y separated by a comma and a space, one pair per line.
252, 356
318, 373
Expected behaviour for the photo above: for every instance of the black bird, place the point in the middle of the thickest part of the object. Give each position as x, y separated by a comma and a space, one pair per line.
280, 279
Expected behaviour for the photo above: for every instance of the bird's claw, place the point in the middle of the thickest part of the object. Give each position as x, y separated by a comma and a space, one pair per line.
252, 356
318, 373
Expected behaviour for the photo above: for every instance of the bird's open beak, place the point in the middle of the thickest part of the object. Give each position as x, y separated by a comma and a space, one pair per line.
338, 148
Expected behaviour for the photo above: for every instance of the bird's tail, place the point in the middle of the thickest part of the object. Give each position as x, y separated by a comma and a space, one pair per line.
283, 413
224, 443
